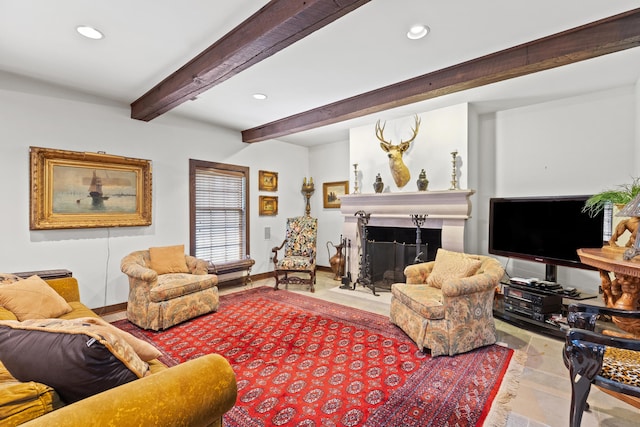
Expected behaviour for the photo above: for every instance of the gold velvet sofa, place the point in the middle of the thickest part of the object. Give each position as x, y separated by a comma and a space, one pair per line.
195, 393
453, 314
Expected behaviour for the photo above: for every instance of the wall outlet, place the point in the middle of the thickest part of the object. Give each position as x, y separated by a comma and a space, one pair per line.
267, 233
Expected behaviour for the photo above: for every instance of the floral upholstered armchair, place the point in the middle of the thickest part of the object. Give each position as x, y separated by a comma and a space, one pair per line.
446, 305
299, 253
167, 287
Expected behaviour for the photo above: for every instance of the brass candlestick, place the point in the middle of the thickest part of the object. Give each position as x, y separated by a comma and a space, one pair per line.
454, 173
356, 187
308, 189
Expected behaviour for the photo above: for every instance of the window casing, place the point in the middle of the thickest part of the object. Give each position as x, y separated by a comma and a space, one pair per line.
219, 212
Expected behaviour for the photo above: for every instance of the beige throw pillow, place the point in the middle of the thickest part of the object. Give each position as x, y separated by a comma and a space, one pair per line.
32, 298
168, 259
451, 265
7, 278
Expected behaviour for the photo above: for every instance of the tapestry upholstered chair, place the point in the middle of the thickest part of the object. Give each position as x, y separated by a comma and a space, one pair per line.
299, 258
446, 305
610, 360
167, 287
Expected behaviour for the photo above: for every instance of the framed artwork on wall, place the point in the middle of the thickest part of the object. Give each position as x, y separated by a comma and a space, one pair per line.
71, 189
331, 192
267, 181
268, 205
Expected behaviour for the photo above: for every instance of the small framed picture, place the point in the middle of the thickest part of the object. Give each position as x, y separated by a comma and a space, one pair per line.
268, 205
267, 181
331, 192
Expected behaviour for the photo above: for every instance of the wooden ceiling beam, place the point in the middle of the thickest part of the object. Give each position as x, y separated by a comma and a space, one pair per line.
277, 25
598, 38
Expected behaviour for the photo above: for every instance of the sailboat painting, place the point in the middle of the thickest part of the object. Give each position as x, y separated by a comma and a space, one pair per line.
95, 190
85, 190
81, 189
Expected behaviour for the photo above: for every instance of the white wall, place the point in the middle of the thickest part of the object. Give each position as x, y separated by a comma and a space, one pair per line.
51, 118
329, 163
637, 125
574, 146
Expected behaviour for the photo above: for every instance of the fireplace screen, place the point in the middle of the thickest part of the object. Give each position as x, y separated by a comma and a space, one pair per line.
384, 253
388, 260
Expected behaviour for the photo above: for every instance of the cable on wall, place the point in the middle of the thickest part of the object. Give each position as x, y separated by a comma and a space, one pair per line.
106, 270
506, 265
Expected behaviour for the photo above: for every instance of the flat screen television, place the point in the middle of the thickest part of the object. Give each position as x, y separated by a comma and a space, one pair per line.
547, 230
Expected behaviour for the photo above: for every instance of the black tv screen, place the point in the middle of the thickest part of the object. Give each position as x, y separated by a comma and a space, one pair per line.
543, 229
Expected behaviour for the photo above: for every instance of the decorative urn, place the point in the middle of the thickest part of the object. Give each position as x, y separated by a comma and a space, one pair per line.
378, 185
422, 181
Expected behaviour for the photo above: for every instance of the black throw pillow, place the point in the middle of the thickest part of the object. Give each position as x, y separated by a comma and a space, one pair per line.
74, 364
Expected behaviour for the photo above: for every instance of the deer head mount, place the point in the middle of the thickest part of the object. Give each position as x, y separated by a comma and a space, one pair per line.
399, 171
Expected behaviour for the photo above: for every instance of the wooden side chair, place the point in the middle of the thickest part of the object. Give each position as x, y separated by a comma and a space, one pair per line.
608, 360
299, 259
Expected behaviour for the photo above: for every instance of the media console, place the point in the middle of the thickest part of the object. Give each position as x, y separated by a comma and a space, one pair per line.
541, 309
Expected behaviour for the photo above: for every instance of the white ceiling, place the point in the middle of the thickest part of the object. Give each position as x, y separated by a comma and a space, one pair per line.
147, 40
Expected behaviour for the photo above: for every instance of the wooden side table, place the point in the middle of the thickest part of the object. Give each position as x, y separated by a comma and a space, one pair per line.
623, 292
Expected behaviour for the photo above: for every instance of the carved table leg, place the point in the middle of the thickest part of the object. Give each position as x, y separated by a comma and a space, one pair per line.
607, 295
628, 300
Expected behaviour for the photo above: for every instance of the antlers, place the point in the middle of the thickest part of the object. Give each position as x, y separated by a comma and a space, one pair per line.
403, 144
399, 170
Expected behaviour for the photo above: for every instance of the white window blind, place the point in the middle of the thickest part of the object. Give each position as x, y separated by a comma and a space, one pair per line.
220, 220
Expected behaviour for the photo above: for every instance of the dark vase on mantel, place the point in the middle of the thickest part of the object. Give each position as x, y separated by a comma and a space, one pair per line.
378, 185
422, 181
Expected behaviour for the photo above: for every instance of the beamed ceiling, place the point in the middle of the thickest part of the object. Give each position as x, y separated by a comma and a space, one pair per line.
325, 65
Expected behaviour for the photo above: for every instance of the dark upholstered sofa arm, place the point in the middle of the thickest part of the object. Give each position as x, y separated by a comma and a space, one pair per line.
195, 393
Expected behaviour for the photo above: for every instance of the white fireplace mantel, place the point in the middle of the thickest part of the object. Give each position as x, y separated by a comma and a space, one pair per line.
450, 204
445, 210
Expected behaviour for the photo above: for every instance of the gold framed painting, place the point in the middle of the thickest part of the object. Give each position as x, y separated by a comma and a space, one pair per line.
71, 189
267, 181
331, 192
268, 205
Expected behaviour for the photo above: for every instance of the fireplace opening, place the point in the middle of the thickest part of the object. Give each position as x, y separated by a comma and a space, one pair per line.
430, 236
391, 249
387, 262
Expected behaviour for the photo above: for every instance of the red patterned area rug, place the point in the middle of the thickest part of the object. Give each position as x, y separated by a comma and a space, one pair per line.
302, 361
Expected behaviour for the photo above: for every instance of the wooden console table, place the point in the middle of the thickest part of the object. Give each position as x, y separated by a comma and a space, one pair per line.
624, 290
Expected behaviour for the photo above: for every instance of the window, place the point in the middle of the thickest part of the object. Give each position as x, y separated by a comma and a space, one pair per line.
219, 212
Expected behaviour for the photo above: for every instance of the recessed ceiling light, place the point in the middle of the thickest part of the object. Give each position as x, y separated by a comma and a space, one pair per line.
89, 32
259, 96
417, 32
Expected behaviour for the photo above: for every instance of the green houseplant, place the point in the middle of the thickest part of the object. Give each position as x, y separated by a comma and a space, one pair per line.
622, 195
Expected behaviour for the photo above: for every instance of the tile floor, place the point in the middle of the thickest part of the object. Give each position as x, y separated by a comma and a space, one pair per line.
543, 397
